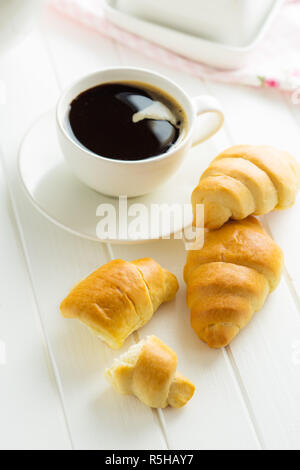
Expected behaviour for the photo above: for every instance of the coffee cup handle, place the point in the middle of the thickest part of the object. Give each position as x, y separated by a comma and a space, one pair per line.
209, 125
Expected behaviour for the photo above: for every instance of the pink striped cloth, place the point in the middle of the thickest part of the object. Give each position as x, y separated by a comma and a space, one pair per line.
275, 63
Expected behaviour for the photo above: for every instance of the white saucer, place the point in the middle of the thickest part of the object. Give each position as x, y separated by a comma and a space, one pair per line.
59, 196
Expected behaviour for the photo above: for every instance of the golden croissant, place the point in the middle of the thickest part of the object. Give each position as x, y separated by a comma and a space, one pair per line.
229, 279
120, 297
148, 371
246, 180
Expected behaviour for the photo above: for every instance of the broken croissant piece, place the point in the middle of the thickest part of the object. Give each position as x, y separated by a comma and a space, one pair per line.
120, 297
229, 279
148, 371
246, 180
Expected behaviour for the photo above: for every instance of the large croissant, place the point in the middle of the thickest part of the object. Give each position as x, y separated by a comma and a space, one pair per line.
229, 279
120, 297
148, 371
246, 180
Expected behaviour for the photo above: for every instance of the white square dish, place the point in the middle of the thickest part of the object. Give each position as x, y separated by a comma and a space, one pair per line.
232, 22
193, 47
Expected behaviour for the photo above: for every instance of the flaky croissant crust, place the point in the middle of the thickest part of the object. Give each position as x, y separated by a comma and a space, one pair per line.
229, 279
120, 297
247, 180
149, 371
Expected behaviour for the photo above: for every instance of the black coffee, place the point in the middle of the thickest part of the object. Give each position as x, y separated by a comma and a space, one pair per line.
101, 119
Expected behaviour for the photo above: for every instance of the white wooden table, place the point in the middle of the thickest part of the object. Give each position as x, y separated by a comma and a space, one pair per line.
52, 391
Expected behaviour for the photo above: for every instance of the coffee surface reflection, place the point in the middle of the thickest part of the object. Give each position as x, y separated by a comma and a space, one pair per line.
125, 121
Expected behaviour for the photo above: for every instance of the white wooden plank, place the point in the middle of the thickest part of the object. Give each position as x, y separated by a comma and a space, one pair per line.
293, 104
263, 352
266, 355
31, 412
97, 418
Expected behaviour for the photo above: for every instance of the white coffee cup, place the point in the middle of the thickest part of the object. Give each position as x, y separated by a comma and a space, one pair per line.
134, 178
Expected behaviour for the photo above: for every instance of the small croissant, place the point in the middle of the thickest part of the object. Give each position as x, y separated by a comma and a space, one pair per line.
229, 279
148, 371
120, 297
246, 180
